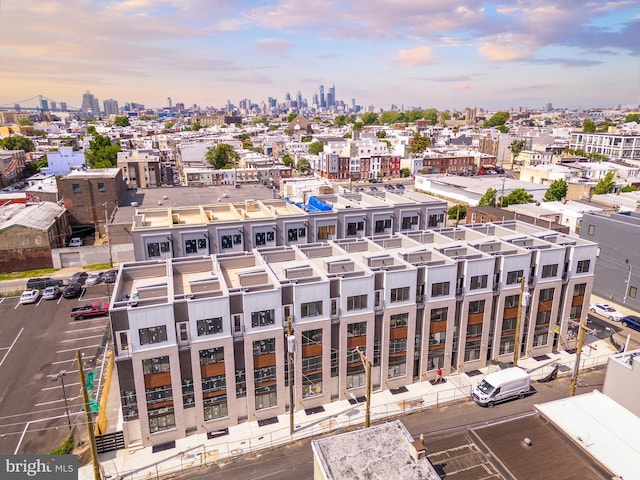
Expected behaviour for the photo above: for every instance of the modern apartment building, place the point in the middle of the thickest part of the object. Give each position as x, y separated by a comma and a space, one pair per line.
201, 342
613, 145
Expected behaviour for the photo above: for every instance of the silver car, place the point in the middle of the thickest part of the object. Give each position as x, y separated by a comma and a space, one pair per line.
51, 293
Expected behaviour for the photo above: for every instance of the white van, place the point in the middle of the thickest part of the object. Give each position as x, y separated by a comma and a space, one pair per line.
500, 386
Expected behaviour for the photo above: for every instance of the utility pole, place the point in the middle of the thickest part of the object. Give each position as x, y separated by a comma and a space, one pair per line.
291, 347
626, 287
106, 229
582, 327
521, 301
366, 363
87, 412
60, 376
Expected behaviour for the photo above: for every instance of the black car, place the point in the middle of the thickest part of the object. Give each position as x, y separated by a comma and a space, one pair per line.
43, 282
78, 277
389, 186
400, 186
110, 276
73, 290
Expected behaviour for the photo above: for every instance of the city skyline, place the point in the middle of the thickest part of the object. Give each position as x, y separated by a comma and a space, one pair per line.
441, 55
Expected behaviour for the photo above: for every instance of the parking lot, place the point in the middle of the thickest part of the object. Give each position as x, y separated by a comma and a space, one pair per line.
37, 343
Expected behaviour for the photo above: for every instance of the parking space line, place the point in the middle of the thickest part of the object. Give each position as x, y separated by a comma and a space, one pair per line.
21, 438
9, 350
75, 322
81, 338
56, 401
88, 328
71, 360
59, 386
80, 348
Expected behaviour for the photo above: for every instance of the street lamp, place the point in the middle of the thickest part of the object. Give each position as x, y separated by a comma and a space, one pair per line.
60, 376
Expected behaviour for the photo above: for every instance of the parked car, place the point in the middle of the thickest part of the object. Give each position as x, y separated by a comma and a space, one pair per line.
30, 296
78, 277
110, 276
51, 293
374, 189
95, 309
606, 310
43, 282
73, 290
75, 242
631, 321
400, 186
390, 186
94, 279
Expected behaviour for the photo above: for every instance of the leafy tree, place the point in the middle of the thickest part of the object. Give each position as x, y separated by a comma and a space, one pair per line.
102, 153
17, 142
197, 126
369, 118
91, 130
291, 117
516, 148
457, 212
588, 126
381, 134
24, 122
629, 188
287, 160
431, 115
405, 172
444, 116
306, 139
315, 148
516, 197
167, 127
221, 156
632, 117
556, 191
30, 168
390, 117
498, 118
413, 115
502, 128
489, 198
121, 121
418, 143
605, 185
340, 120
347, 135
357, 126
303, 165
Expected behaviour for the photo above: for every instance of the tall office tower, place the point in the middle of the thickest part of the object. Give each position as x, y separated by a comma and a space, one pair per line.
353, 103
273, 103
169, 104
323, 103
315, 100
44, 105
331, 98
229, 106
96, 107
287, 97
17, 107
110, 107
88, 101
299, 100
548, 107
63, 106
54, 105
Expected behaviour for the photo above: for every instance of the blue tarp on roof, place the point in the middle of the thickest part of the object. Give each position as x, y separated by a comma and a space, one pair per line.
314, 205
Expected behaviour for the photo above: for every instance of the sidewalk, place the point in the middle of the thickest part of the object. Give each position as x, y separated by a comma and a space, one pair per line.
201, 450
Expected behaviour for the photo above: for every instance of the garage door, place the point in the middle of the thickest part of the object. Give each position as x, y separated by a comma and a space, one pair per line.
71, 259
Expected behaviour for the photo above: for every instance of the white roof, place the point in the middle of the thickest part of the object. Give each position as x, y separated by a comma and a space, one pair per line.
603, 428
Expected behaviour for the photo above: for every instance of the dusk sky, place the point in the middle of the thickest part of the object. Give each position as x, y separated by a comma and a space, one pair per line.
428, 53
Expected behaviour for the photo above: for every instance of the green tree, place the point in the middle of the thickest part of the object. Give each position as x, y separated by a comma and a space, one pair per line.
405, 172
340, 120
389, 118
418, 143
369, 118
307, 139
431, 115
629, 188
489, 198
357, 126
222, 155
502, 129
315, 148
556, 191
167, 127
516, 197
17, 142
413, 115
381, 134
605, 185
291, 116
457, 213
287, 160
197, 126
589, 126
498, 118
91, 130
102, 153
347, 135
632, 117
24, 122
303, 165
444, 116
516, 148
121, 121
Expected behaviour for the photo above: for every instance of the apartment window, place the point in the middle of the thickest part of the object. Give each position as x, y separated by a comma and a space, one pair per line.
354, 227
399, 345
158, 394
241, 383
409, 222
311, 309
583, 266
161, 419
190, 246
263, 318
312, 364
509, 323
155, 365
226, 242
312, 385
472, 351
311, 337
357, 329
265, 374
546, 294
399, 320
479, 281
154, 249
579, 290
397, 367
237, 239
264, 347
514, 277
357, 302
261, 239
440, 289
215, 407
543, 317
575, 312
435, 358
476, 306
511, 301
188, 399
209, 326
439, 314
302, 232
550, 270
100, 187
507, 342
292, 234
153, 335
474, 330
540, 336
326, 231
434, 220
591, 230
211, 356
75, 187
265, 398
400, 294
